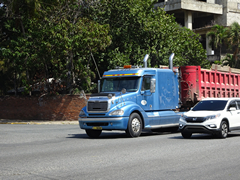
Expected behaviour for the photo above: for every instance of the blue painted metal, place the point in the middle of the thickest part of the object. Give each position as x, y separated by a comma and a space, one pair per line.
156, 109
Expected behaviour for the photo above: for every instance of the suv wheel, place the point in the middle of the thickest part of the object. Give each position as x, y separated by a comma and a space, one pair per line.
223, 129
186, 135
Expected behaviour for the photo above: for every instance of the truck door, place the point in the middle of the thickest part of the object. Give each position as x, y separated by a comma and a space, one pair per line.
145, 98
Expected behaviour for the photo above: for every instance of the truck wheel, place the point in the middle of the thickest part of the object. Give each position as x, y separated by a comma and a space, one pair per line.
93, 133
134, 125
223, 130
186, 135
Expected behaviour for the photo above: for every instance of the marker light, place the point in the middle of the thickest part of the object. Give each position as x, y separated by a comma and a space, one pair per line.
127, 66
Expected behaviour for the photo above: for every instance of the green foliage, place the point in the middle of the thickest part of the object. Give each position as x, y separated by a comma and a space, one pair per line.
234, 41
57, 44
218, 34
137, 28
59, 39
231, 37
229, 60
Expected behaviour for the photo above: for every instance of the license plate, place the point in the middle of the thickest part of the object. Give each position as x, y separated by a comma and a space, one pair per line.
97, 128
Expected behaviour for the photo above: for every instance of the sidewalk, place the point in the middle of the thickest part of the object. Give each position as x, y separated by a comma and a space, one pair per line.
7, 121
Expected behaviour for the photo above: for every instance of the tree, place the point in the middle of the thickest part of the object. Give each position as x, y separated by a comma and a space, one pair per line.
64, 39
137, 28
218, 34
234, 40
57, 44
15, 15
228, 60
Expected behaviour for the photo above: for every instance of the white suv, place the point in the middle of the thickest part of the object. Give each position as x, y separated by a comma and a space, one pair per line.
216, 116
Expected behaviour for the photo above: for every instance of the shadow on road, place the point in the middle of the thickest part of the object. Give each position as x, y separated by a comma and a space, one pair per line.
104, 135
207, 136
117, 135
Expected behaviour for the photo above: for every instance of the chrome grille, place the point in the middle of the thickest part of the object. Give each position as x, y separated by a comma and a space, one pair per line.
195, 119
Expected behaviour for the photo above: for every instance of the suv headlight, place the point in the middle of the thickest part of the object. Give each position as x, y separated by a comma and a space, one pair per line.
212, 117
118, 112
183, 117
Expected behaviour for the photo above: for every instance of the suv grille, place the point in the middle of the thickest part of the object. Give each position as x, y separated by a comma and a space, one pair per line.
195, 119
98, 106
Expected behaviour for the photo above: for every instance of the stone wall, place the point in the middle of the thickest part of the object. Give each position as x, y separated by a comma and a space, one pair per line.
53, 108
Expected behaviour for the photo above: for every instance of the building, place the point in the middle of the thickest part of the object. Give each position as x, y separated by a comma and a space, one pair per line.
201, 15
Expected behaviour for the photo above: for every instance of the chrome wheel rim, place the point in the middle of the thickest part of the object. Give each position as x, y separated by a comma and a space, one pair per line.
224, 130
136, 125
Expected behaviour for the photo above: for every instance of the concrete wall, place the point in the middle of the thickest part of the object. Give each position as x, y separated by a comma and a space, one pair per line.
62, 107
231, 12
191, 5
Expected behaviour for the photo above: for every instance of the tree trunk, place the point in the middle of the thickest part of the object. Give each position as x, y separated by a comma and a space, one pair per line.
27, 72
15, 82
220, 52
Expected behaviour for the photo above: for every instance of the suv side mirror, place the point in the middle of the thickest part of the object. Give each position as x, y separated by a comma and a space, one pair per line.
232, 109
153, 85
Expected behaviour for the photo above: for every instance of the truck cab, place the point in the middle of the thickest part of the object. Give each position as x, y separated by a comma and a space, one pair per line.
132, 99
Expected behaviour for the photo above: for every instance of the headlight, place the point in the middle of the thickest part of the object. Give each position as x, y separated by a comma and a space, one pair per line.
183, 117
119, 112
212, 116
82, 113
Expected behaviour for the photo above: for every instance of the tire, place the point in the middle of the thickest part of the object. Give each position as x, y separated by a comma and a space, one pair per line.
223, 130
93, 133
186, 135
134, 125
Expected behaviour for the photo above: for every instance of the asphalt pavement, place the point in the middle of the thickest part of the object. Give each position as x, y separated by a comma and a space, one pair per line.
60, 152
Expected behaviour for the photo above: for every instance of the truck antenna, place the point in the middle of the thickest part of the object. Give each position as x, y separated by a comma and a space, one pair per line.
96, 65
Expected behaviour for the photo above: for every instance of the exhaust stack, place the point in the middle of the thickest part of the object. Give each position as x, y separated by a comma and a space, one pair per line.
145, 60
171, 61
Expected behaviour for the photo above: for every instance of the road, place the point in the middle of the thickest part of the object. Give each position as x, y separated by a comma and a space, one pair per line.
65, 152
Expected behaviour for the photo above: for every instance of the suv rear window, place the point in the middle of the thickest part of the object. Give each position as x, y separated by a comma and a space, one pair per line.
210, 105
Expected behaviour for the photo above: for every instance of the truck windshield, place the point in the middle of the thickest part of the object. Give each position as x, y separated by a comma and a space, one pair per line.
211, 105
131, 84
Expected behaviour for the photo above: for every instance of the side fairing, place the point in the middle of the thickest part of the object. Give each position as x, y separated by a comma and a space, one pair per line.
167, 90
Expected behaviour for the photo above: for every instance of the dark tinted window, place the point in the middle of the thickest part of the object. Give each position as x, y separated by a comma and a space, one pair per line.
238, 103
146, 83
211, 105
232, 104
131, 84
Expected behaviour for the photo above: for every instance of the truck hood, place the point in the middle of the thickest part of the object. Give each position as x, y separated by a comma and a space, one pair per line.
113, 94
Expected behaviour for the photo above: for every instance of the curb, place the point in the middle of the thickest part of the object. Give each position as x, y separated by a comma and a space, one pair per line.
38, 122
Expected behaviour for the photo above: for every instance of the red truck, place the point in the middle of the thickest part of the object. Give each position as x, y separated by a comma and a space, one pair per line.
197, 83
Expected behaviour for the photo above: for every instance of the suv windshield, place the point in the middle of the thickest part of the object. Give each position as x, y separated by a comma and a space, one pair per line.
210, 105
131, 84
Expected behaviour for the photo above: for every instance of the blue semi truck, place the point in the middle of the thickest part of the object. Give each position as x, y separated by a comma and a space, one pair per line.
132, 99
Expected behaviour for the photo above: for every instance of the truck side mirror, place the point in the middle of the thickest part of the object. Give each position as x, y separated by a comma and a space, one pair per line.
153, 85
